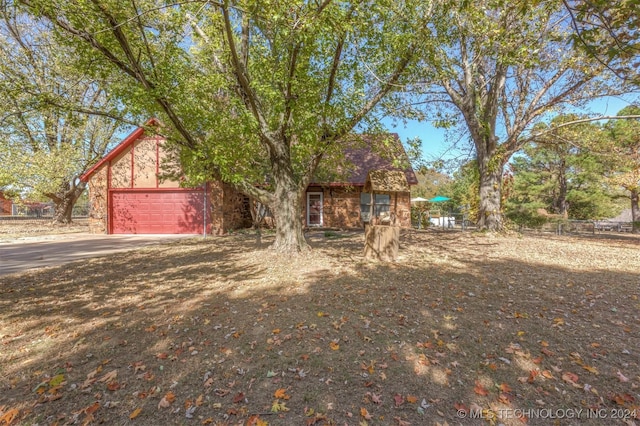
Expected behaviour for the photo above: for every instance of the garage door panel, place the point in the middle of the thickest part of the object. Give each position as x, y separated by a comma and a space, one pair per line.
157, 212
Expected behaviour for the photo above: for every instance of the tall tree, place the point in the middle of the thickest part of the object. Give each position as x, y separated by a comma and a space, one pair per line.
47, 137
503, 67
625, 147
431, 182
251, 86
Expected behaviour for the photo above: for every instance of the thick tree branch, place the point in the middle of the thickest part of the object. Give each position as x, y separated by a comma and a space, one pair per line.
66, 26
244, 42
252, 190
144, 38
122, 40
141, 77
335, 64
589, 48
466, 65
456, 97
288, 95
574, 122
534, 109
242, 77
135, 70
490, 108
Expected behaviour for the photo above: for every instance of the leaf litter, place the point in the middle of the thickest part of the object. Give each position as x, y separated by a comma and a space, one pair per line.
223, 332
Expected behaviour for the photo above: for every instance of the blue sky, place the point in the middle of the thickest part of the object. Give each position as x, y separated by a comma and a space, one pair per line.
435, 146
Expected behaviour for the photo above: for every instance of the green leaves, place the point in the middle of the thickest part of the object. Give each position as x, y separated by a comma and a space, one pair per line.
56, 121
608, 32
562, 171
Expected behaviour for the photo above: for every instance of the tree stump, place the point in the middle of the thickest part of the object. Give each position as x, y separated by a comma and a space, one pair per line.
381, 242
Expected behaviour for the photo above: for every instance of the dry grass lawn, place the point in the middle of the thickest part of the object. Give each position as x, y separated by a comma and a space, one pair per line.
222, 331
19, 230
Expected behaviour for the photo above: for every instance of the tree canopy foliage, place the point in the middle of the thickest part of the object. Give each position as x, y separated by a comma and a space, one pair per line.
563, 173
610, 32
624, 148
253, 92
47, 139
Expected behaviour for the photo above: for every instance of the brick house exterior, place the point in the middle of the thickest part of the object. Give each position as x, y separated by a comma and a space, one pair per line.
128, 195
344, 202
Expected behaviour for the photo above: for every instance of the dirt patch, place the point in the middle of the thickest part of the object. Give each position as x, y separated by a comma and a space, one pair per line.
222, 331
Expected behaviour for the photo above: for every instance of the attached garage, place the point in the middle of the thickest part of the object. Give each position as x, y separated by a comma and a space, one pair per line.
129, 195
157, 212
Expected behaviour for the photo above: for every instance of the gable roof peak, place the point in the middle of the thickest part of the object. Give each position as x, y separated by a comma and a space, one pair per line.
121, 147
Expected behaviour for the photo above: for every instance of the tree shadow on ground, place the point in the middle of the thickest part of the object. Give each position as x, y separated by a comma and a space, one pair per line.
453, 325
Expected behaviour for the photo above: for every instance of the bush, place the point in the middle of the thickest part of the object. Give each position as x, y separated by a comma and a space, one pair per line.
526, 218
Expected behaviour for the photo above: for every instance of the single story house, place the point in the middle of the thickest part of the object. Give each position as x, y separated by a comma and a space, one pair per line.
128, 195
342, 202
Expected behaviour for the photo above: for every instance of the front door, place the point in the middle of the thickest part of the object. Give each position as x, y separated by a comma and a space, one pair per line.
314, 208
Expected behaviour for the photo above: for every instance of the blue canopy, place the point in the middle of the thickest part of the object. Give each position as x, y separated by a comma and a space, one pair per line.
439, 199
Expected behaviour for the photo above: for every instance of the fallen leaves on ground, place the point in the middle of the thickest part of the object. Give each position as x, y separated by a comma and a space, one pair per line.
218, 332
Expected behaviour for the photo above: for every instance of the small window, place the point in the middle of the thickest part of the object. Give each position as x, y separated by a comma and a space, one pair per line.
383, 205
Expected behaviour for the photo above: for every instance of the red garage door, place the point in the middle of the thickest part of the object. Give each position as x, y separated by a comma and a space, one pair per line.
174, 211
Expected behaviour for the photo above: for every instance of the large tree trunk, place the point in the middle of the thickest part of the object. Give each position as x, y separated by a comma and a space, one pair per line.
64, 201
490, 211
635, 211
561, 205
287, 213
63, 211
286, 202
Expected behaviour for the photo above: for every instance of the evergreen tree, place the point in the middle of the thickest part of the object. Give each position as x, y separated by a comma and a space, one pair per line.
562, 172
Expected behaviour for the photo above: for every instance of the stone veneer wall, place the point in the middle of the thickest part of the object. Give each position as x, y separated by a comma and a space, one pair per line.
235, 209
403, 210
216, 193
98, 201
341, 207
229, 209
5, 205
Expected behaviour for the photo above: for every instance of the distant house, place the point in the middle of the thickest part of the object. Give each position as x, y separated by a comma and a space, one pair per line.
621, 223
128, 196
24, 208
624, 216
6, 205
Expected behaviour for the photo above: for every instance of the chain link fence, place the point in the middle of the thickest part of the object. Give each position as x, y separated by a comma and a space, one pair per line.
458, 221
41, 213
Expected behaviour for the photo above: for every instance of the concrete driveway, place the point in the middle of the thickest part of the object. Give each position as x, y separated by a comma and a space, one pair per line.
28, 253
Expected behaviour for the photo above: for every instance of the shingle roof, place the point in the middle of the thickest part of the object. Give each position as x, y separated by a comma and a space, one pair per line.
365, 153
